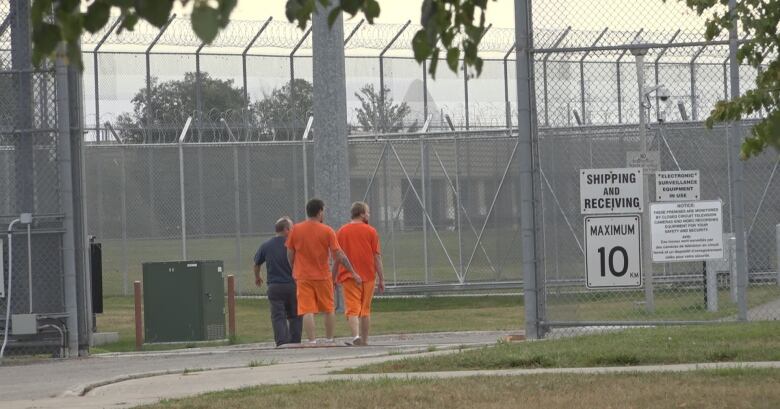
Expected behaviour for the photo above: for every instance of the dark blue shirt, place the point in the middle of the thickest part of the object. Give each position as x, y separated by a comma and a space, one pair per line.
274, 254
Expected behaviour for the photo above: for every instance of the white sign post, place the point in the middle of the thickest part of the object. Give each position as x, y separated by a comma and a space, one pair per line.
611, 191
613, 251
687, 231
677, 186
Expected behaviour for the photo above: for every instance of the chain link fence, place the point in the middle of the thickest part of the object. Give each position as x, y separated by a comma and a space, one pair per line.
30, 183
679, 289
234, 192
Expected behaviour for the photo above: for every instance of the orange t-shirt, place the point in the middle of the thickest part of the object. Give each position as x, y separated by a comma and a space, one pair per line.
360, 243
313, 243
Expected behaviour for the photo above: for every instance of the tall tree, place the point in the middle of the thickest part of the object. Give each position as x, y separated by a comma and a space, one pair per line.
377, 115
759, 20
160, 118
283, 113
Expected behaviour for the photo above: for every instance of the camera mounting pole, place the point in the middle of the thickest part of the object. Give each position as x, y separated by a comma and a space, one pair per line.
647, 263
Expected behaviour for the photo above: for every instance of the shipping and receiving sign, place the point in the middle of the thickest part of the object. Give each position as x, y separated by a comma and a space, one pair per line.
613, 251
687, 231
611, 191
649, 161
677, 186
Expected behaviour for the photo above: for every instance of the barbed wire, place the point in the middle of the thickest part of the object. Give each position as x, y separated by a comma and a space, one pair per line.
283, 35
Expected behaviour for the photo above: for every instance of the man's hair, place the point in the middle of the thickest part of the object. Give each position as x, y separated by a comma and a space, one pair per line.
314, 207
282, 224
359, 209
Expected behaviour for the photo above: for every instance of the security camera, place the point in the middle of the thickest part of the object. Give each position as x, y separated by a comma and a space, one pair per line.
663, 93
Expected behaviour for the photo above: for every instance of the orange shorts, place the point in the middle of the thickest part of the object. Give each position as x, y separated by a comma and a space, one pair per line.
315, 296
357, 297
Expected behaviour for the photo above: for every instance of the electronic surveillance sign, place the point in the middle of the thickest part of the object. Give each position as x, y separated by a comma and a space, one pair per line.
611, 191
613, 251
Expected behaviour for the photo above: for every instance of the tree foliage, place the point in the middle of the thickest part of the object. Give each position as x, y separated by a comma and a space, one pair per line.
283, 113
377, 115
454, 27
172, 102
760, 21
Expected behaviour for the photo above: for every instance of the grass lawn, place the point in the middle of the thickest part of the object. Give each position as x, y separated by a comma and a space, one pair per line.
662, 345
755, 389
390, 316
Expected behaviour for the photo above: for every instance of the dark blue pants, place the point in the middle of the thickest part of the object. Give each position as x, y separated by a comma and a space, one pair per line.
286, 323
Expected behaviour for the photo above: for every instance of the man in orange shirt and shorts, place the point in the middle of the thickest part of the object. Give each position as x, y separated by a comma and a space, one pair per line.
310, 245
360, 243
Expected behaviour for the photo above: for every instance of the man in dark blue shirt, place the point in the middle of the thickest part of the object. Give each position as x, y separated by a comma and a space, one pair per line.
286, 323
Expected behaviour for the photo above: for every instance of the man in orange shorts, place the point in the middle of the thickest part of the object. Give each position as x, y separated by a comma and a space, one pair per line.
310, 245
360, 243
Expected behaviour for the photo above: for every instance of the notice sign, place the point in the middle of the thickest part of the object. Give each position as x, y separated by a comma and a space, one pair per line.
677, 186
613, 251
687, 231
650, 162
611, 190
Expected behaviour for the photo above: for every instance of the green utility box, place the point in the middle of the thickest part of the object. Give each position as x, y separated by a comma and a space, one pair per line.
183, 301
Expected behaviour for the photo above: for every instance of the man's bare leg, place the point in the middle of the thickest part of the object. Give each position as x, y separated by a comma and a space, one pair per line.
354, 324
308, 326
365, 325
330, 322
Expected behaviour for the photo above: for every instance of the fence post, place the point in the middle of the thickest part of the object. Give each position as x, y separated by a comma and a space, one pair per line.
182, 202
198, 100
231, 301
637, 37
123, 192
425, 88
237, 210
544, 71
382, 123
507, 104
657, 75
586, 116
424, 206
95, 66
694, 102
138, 317
244, 54
777, 253
466, 82
527, 167
148, 70
293, 105
737, 177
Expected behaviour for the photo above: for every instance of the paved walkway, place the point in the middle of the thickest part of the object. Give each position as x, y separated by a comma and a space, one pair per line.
127, 380
33, 385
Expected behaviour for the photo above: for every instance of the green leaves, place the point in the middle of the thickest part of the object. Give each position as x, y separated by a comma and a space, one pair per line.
760, 21
205, 22
55, 21
97, 16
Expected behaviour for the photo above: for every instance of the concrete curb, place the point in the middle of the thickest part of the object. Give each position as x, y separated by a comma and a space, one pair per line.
411, 350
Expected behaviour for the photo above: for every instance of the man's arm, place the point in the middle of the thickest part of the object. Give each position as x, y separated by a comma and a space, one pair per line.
290, 256
379, 273
335, 269
340, 257
258, 278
